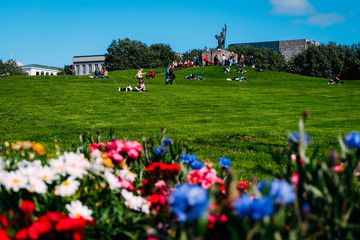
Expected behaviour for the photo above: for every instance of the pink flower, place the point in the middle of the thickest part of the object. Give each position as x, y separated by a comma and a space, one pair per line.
339, 168
160, 184
115, 155
133, 145
126, 184
133, 153
119, 145
194, 177
223, 218
295, 179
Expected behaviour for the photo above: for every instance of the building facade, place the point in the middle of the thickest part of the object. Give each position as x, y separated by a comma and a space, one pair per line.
37, 69
287, 48
86, 65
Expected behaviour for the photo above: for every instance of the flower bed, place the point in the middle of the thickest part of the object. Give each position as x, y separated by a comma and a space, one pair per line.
127, 190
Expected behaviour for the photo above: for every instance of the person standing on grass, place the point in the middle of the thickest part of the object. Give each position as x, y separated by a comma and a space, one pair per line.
207, 60
223, 59
172, 75
242, 63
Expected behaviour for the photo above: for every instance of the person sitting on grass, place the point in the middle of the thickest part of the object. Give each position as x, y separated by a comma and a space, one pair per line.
140, 86
228, 69
140, 74
260, 68
97, 73
151, 74
105, 74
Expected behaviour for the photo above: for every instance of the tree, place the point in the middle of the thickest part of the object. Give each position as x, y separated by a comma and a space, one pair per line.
128, 54
11, 67
328, 61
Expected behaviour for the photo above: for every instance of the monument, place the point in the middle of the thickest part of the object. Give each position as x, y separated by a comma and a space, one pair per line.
221, 38
220, 50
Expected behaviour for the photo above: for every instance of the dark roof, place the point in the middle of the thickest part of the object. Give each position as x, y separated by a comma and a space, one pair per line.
42, 66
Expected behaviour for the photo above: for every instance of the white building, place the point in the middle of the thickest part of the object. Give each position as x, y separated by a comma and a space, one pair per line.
36, 69
86, 65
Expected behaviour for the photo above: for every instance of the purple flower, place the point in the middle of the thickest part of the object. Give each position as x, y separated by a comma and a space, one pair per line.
167, 141
188, 158
225, 162
197, 165
282, 192
161, 150
189, 202
352, 140
295, 138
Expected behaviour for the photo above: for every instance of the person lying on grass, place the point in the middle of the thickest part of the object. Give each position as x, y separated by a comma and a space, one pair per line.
241, 79
192, 77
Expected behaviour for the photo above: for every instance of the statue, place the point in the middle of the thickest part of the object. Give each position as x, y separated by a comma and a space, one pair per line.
221, 38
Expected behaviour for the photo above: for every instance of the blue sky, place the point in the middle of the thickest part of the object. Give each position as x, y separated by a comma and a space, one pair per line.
51, 32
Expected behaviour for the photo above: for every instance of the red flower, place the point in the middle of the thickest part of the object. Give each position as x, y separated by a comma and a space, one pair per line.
95, 145
27, 207
4, 221
3, 235
22, 234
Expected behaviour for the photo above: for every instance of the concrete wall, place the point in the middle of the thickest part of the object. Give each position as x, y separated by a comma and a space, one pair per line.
292, 47
33, 71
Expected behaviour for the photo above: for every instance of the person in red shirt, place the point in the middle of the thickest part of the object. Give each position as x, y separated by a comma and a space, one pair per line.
206, 60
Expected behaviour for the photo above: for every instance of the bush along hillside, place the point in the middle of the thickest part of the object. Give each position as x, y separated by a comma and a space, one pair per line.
157, 189
328, 61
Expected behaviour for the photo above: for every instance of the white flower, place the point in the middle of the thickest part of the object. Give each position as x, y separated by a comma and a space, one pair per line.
58, 165
14, 181
75, 164
95, 154
135, 202
67, 187
36, 185
76, 210
48, 174
125, 173
112, 180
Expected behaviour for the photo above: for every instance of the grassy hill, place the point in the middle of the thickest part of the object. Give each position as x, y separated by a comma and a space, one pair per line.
243, 121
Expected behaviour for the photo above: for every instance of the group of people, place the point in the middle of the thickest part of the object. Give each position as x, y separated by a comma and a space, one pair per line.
5, 75
170, 75
99, 74
140, 86
335, 81
239, 79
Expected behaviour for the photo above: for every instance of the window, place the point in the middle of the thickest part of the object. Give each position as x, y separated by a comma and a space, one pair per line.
77, 69
47, 73
96, 66
90, 69
42, 72
83, 69
37, 73
51, 73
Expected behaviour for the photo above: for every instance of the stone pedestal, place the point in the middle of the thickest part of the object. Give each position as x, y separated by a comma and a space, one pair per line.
213, 52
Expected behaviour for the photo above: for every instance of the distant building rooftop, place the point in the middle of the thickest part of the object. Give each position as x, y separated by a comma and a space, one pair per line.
41, 66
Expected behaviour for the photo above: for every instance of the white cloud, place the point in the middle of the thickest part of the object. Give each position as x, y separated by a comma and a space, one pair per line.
325, 20
292, 7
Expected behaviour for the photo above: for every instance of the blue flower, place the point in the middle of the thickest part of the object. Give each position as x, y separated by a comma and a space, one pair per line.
243, 206
225, 162
197, 165
352, 140
161, 150
282, 192
189, 202
295, 138
168, 141
306, 207
257, 209
262, 185
188, 158
262, 207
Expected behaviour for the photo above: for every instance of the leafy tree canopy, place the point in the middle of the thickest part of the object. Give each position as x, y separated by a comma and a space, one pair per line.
11, 67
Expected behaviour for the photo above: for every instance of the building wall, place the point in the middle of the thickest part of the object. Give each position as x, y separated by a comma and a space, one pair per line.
33, 71
287, 48
86, 65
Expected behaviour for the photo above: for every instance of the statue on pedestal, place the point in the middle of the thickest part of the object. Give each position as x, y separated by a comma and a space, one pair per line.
221, 38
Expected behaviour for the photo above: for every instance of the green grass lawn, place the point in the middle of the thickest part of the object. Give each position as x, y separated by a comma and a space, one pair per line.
243, 121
